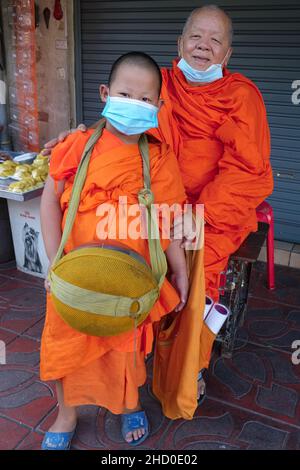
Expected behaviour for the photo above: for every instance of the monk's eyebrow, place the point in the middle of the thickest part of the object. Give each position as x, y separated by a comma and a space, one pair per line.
195, 33
212, 33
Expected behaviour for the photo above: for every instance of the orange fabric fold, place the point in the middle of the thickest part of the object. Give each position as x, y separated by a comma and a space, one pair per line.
224, 145
180, 351
115, 170
183, 346
221, 137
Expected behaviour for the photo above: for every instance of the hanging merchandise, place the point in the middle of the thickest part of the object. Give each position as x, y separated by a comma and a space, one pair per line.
47, 14
58, 11
23, 90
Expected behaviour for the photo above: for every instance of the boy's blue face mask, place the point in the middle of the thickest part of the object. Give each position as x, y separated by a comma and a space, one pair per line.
130, 116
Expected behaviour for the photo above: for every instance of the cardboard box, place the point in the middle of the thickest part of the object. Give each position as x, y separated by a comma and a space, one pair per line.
29, 248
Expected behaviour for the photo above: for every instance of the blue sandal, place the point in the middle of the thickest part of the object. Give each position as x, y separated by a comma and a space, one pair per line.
57, 440
133, 421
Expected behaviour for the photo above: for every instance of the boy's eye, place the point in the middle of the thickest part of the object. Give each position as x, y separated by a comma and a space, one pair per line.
146, 99
126, 95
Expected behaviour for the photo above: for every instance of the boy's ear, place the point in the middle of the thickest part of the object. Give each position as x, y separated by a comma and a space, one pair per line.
104, 92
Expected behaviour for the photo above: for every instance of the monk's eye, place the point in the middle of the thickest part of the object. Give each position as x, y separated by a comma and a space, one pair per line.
216, 41
196, 37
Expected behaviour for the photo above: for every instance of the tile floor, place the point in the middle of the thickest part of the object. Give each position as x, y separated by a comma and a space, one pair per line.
253, 400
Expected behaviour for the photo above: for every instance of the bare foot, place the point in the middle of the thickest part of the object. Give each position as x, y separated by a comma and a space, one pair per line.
66, 420
137, 433
201, 388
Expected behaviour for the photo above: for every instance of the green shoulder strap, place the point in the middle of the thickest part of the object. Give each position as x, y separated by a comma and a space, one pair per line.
146, 198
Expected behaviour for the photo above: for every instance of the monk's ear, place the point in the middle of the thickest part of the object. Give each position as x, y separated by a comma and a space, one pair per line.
179, 46
104, 92
228, 55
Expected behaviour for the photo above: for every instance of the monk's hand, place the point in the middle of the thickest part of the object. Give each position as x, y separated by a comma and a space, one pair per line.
184, 228
181, 284
48, 147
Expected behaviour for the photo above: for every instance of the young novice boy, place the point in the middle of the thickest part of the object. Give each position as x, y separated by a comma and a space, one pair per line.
107, 371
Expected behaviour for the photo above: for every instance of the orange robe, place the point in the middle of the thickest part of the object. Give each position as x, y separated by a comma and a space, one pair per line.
220, 134
102, 370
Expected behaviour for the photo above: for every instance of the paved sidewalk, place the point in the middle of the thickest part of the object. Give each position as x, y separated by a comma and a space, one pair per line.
252, 400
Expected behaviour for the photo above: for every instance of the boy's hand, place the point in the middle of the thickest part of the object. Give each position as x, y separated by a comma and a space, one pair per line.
181, 284
51, 144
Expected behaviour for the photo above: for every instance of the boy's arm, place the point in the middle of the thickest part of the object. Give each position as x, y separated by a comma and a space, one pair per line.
177, 263
51, 216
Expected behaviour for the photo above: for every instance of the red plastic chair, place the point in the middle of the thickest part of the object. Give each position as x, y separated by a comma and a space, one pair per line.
264, 213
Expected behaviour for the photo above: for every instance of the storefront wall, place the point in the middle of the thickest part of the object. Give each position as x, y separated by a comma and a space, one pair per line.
266, 49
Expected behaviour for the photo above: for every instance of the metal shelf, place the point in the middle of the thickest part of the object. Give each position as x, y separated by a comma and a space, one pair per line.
26, 196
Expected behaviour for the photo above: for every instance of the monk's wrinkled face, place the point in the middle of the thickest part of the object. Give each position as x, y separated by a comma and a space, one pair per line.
206, 40
133, 81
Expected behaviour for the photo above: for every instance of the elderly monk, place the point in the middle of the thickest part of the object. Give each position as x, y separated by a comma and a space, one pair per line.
216, 122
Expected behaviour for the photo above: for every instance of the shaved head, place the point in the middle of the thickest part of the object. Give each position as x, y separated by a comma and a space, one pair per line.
134, 75
213, 10
139, 59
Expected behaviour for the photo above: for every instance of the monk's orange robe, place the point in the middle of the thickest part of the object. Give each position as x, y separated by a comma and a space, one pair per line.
220, 134
103, 370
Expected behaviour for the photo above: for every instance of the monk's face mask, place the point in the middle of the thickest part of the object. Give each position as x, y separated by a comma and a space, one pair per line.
130, 116
213, 73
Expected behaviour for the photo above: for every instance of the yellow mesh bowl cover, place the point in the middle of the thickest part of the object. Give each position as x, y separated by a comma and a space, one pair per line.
107, 271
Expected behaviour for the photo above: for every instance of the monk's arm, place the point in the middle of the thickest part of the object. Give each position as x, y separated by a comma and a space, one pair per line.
49, 146
51, 216
244, 178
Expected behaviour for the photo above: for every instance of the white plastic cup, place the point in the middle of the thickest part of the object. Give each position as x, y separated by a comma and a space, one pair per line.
216, 317
208, 305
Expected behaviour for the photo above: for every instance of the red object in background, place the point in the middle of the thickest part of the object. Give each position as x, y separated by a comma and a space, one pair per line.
264, 213
58, 11
25, 123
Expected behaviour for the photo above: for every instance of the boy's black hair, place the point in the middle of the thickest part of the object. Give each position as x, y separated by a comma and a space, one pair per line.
136, 58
